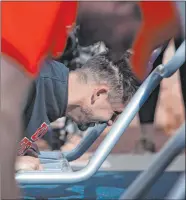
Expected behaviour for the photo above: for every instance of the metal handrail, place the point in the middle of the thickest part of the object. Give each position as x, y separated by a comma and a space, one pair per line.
178, 191
146, 179
85, 144
79, 150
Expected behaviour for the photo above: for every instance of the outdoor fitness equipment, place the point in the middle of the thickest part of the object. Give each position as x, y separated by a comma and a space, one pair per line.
63, 174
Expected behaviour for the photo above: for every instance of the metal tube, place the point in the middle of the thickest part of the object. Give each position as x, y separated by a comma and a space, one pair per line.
79, 150
178, 191
147, 178
85, 144
178, 60
156, 53
50, 155
110, 140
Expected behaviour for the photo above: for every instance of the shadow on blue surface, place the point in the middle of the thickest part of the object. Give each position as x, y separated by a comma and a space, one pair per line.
104, 185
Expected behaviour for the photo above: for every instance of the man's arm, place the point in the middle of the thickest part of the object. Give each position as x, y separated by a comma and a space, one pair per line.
48, 98
36, 112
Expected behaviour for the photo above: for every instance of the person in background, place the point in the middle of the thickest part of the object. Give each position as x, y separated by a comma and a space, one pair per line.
129, 29
148, 110
27, 38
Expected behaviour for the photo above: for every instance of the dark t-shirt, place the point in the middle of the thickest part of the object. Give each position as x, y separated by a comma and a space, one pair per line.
47, 99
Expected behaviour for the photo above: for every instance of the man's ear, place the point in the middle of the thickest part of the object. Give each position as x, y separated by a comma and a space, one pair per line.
100, 92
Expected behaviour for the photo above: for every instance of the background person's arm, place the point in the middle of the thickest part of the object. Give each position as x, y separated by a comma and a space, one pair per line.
47, 100
160, 23
36, 112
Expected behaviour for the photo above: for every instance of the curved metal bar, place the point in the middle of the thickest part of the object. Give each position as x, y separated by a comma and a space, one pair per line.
147, 178
156, 53
178, 60
178, 191
85, 144
79, 150
118, 128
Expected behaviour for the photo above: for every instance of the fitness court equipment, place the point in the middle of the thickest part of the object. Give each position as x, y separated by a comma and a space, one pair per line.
147, 178
56, 173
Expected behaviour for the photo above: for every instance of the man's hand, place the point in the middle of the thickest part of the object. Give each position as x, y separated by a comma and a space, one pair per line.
27, 163
59, 123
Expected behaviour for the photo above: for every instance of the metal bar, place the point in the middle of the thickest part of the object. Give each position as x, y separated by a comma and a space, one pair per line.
172, 65
85, 144
178, 191
147, 178
156, 53
51, 155
78, 151
118, 128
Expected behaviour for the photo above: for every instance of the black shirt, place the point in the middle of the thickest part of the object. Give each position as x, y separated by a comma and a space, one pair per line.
47, 99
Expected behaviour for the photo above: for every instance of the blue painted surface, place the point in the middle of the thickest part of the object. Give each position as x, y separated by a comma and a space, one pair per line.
102, 186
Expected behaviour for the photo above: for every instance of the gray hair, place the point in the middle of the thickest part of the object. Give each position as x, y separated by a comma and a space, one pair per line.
117, 75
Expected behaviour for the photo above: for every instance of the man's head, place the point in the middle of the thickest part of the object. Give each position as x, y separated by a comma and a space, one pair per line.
100, 89
114, 23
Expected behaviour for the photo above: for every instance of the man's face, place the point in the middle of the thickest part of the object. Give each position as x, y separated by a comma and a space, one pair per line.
96, 108
114, 25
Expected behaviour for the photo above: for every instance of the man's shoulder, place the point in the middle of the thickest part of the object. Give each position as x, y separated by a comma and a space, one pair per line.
54, 70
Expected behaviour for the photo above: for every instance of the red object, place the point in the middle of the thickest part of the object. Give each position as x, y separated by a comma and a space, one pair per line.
31, 30
24, 145
41, 131
160, 23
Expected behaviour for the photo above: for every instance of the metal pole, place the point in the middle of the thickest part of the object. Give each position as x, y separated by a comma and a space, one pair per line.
85, 144
178, 191
147, 178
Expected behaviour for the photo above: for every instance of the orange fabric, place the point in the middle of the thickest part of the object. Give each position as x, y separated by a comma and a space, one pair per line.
31, 30
160, 23
69, 19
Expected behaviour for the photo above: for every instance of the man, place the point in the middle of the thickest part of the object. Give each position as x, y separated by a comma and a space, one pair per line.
91, 94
